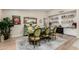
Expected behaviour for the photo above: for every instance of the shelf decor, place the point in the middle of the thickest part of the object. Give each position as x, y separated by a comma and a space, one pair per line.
54, 18
74, 25
68, 16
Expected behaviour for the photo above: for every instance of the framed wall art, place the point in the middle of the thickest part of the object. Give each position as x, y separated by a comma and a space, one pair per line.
28, 20
16, 20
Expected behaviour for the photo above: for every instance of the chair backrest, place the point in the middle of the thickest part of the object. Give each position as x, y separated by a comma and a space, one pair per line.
37, 27
37, 32
47, 31
30, 30
55, 29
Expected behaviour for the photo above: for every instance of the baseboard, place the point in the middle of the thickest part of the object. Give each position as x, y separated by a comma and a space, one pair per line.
69, 35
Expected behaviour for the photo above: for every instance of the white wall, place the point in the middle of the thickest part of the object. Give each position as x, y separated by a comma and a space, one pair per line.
77, 19
17, 30
0, 14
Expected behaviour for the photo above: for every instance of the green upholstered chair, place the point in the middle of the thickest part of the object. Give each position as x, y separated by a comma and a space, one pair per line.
47, 34
35, 39
47, 31
30, 33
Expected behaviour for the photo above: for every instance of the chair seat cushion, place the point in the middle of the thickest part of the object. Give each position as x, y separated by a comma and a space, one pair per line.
36, 38
47, 35
32, 38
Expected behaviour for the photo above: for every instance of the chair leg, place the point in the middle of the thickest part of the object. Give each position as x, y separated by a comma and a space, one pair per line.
34, 44
55, 37
30, 42
39, 42
48, 38
45, 39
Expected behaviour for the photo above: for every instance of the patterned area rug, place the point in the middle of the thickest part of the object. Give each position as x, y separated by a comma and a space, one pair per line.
23, 44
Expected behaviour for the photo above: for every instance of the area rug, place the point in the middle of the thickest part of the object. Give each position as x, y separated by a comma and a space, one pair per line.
23, 44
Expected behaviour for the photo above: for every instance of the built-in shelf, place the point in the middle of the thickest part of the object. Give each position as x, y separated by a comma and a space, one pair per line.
66, 20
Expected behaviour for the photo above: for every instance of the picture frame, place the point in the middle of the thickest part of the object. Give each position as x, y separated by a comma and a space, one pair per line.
16, 20
28, 20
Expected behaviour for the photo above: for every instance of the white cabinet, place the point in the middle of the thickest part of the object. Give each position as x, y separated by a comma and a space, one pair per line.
70, 31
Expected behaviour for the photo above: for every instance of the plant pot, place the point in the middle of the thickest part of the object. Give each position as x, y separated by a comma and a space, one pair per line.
6, 37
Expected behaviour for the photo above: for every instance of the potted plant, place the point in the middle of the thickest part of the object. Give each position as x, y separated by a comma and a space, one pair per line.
5, 26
